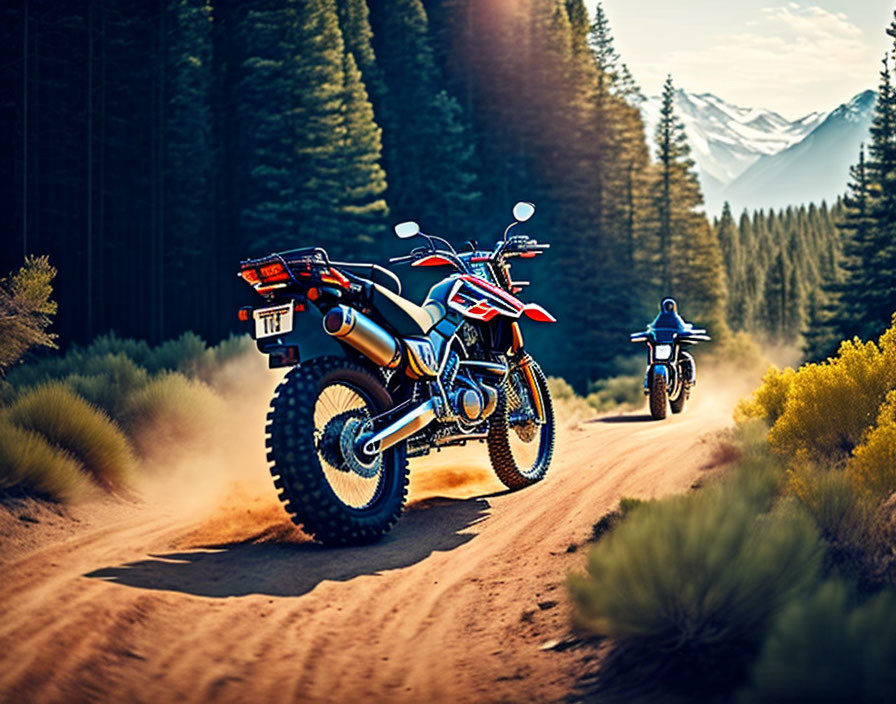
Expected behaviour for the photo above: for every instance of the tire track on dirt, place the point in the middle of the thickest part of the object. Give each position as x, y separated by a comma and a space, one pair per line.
452, 606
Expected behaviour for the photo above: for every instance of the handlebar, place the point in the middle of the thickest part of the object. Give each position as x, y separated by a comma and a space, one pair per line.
515, 246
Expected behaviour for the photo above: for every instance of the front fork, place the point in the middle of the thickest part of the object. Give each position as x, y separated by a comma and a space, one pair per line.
655, 370
524, 364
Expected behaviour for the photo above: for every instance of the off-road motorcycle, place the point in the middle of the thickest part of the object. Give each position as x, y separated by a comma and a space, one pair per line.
671, 370
410, 378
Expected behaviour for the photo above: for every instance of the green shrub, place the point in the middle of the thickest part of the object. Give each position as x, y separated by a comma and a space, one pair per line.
183, 354
170, 409
830, 498
66, 420
29, 462
826, 648
128, 363
138, 351
697, 578
618, 392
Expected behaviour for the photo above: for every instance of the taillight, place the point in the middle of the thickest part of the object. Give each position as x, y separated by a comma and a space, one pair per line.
244, 314
272, 273
250, 276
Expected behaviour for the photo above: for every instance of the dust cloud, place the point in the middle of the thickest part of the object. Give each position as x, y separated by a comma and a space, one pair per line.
216, 478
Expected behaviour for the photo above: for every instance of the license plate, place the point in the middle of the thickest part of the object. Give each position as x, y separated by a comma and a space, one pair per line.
273, 321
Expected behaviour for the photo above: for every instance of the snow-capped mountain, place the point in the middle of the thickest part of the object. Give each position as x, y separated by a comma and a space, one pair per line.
755, 158
815, 168
727, 139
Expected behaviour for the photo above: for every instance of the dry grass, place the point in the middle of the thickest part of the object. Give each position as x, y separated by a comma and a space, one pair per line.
28, 462
82, 430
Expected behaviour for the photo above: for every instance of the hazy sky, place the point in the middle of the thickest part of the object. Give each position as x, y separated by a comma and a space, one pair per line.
793, 57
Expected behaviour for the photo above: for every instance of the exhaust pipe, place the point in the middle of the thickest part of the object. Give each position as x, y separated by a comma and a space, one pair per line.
398, 430
366, 336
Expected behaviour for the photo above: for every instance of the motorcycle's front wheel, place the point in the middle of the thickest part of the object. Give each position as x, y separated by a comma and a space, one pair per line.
519, 447
658, 397
338, 495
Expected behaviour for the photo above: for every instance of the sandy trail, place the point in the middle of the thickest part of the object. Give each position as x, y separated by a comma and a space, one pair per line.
452, 606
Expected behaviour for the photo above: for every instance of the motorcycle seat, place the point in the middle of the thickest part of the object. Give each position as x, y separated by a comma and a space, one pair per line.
403, 316
373, 273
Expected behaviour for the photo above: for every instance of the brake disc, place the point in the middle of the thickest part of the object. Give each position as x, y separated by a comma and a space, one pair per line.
366, 467
338, 441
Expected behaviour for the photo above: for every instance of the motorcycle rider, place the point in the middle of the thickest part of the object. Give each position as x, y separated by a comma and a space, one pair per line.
669, 319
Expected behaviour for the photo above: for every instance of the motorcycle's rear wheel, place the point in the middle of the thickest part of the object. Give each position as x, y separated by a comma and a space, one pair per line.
338, 497
520, 452
677, 406
658, 397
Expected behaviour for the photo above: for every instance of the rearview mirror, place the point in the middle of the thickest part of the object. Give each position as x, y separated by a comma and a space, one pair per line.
522, 211
407, 229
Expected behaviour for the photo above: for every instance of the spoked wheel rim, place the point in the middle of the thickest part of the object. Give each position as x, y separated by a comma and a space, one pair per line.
526, 436
340, 410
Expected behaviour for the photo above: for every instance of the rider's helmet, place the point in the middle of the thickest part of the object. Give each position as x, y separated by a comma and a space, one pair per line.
668, 305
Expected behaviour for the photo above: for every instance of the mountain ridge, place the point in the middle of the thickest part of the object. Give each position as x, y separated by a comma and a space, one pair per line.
737, 149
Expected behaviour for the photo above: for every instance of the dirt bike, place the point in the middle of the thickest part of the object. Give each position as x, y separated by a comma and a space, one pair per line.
671, 370
409, 378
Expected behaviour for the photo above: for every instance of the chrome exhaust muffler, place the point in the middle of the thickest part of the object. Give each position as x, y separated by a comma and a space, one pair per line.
362, 333
398, 430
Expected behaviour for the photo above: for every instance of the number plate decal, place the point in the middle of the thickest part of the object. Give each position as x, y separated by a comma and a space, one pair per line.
273, 321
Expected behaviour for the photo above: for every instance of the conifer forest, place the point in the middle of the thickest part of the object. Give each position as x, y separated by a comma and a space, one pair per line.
149, 146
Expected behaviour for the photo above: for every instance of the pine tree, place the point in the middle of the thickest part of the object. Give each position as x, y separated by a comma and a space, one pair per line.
316, 117
607, 60
363, 207
864, 303
424, 120
730, 246
857, 226
881, 258
687, 255
188, 163
265, 187
354, 22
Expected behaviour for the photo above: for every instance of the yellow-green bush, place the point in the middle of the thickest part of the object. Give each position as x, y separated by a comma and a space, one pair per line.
873, 467
69, 422
768, 401
821, 412
29, 462
699, 576
828, 648
172, 408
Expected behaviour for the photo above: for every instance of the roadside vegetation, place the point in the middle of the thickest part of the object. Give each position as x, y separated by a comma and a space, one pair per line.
78, 424
777, 581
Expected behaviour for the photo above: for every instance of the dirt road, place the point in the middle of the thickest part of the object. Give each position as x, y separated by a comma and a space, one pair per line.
453, 606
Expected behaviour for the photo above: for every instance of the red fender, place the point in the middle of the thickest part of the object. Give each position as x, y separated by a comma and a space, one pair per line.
537, 313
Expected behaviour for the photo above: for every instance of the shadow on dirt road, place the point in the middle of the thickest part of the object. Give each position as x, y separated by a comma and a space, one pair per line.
289, 569
640, 418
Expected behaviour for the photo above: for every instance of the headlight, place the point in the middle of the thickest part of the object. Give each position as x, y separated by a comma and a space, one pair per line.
662, 351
